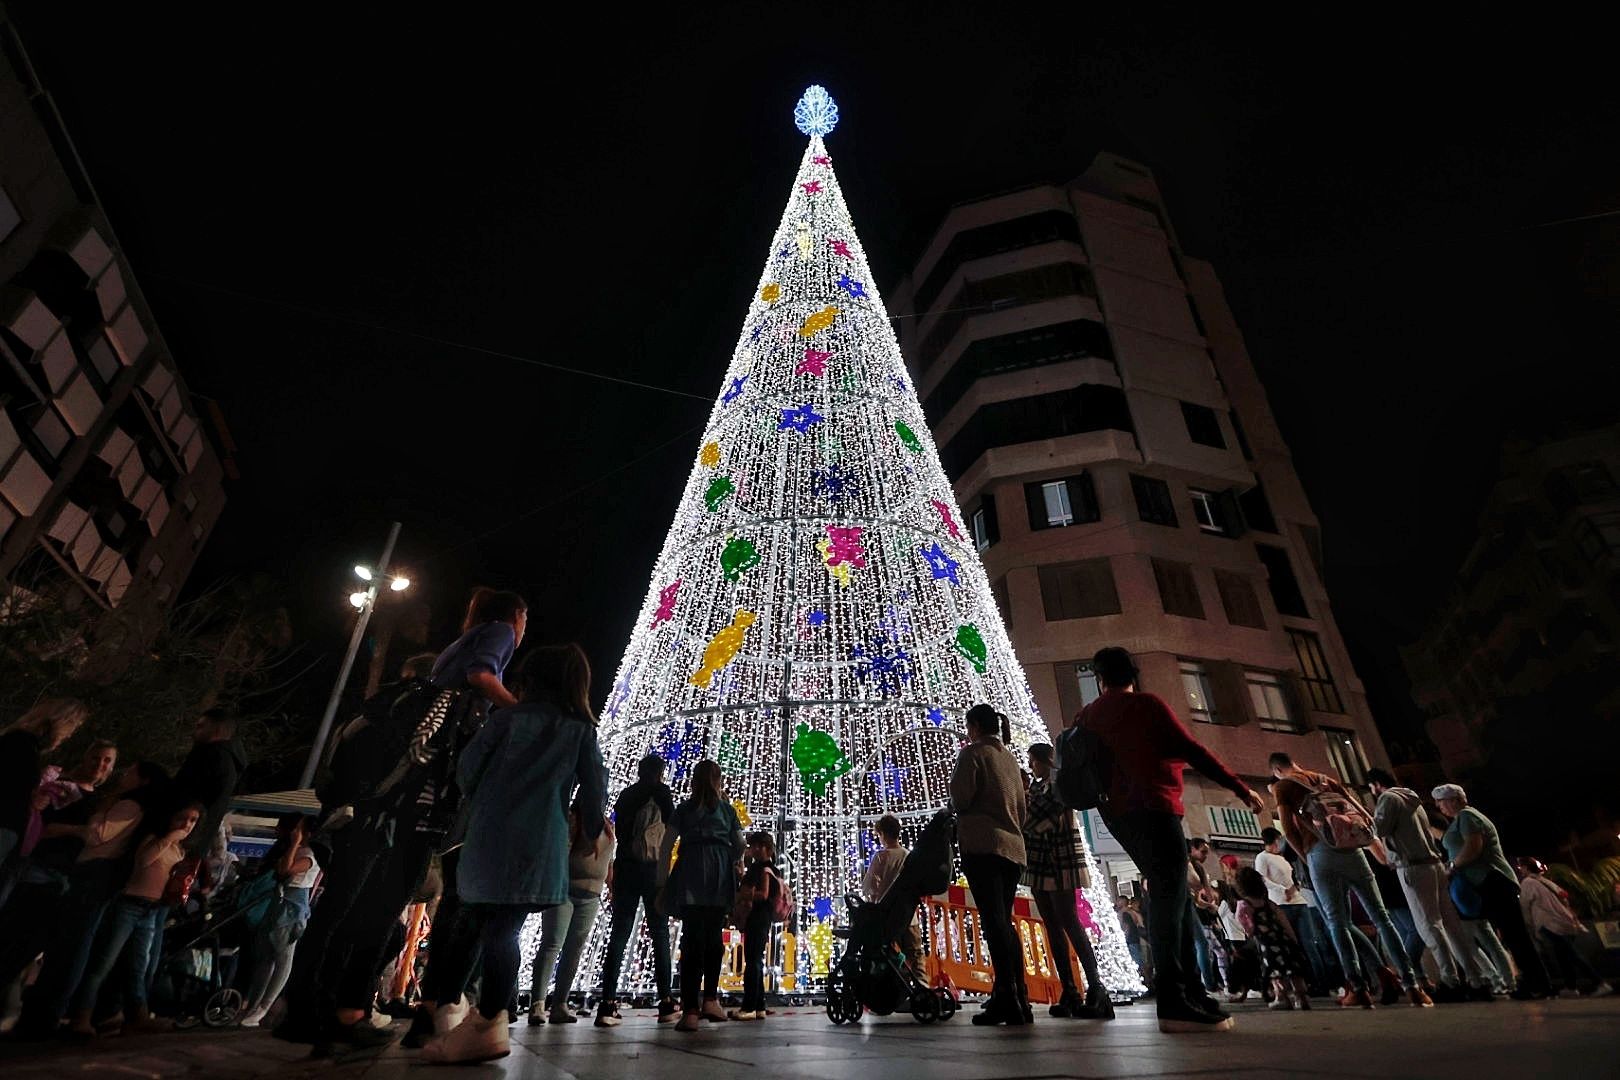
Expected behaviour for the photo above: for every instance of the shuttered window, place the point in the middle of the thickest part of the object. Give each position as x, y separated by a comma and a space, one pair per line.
1178, 591
1239, 600
1079, 590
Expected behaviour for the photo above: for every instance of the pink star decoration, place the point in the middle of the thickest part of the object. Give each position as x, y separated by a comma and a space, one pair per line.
945, 518
822, 159
814, 363
812, 188
841, 247
666, 602
844, 546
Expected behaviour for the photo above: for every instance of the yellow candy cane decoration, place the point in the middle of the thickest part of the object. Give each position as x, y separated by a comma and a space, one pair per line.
710, 457
771, 293
818, 322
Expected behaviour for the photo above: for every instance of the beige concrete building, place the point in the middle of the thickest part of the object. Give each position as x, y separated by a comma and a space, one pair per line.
1111, 444
109, 484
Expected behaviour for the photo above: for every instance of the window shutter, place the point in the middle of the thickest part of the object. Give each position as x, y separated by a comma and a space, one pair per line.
1231, 514
1083, 498
1230, 692
992, 528
1036, 502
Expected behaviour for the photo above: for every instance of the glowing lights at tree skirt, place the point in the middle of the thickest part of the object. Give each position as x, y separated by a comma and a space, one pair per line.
817, 620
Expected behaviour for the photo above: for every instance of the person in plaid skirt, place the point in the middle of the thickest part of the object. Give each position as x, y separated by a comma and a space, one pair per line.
1056, 867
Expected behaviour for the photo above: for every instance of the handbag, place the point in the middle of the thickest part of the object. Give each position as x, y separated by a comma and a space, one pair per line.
1467, 897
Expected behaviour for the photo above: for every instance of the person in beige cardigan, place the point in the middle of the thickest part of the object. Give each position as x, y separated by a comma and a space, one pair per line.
987, 791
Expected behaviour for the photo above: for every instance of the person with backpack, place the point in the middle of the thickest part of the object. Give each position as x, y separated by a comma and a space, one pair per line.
760, 903
987, 792
1482, 878
1141, 749
1055, 869
702, 888
519, 773
289, 874
1326, 824
643, 811
386, 809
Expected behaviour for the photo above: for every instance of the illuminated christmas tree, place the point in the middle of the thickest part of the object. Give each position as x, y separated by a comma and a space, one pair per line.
818, 620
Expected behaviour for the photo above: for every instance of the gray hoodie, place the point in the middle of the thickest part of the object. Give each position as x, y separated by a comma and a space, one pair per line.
1400, 821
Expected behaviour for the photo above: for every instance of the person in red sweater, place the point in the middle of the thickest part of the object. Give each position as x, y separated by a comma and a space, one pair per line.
1144, 750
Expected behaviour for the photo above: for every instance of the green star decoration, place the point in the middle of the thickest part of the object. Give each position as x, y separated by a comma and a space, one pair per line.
739, 555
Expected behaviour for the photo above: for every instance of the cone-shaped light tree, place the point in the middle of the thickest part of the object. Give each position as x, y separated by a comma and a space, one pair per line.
818, 620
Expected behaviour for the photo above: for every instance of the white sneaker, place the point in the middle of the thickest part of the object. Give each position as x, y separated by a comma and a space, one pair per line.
380, 1019
449, 1017
1602, 989
474, 1039
252, 1018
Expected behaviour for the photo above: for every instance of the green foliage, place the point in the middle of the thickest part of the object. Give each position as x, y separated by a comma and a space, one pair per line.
1591, 891
145, 685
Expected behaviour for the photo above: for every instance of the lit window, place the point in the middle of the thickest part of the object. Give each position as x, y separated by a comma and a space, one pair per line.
981, 530
1058, 511
1269, 701
1200, 701
1344, 754
1207, 510
1314, 673
1090, 688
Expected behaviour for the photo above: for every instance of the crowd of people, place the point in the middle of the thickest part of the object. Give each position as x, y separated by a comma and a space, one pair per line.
488, 795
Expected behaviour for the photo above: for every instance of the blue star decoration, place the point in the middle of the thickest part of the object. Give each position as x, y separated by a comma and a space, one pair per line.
936, 716
786, 252
736, 390
821, 907
855, 289
759, 328
881, 665
818, 618
799, 419
672, 746
891, 778
834, 483
941, 564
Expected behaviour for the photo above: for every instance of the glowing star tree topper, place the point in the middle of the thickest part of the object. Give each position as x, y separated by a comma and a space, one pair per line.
832, 621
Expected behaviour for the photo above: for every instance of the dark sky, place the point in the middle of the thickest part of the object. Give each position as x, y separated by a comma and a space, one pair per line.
331, 215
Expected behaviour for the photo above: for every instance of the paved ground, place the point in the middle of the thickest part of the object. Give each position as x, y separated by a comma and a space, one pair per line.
1567, 1039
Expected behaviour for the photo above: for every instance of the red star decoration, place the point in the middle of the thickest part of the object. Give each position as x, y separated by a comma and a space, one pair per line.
841, 248
814, 363
812, 188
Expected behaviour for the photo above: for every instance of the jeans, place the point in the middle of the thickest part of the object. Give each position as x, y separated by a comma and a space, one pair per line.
701, 928
1064, 930
1312, 935
272, 963
1490, 956
498, 928
636, 883
130, 922
994, 881
756, 941
456, 932
564, 929
1201, 950
1335, 874
1155, 843
1429, 899
1501, 898
64, 925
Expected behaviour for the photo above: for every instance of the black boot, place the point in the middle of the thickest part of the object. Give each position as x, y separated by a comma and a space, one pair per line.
1002, 1008
1021, 995
1097, 1005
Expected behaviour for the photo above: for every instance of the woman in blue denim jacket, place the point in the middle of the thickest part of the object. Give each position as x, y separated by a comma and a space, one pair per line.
518, 776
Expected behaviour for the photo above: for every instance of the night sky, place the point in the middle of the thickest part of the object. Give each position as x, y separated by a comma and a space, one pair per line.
343, 221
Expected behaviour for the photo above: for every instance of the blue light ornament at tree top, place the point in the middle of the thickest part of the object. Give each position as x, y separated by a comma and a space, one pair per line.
816, 113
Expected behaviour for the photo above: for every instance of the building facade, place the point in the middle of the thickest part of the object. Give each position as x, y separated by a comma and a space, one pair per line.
1528, 636
109, 484
1113, 448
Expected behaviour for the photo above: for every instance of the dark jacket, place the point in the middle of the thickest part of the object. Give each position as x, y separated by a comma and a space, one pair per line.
705, 874
209, 775
517, 775
19, 775
629, 804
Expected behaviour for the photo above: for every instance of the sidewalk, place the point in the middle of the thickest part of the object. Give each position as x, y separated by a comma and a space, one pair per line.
1567, 1038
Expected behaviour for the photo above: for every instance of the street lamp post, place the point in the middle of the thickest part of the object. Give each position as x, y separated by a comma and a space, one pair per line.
365, 601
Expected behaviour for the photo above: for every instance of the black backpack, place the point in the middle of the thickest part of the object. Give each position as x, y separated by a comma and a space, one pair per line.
369, 750
1080, 780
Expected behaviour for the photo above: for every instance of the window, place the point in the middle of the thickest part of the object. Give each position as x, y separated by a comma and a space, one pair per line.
1053, 504
9, 217
1257, 509
1207, 510
52, 433
997, 294
1314, 673
1203, 426
1344, 754
1178, 592
1079, 590
189, 501
989, 239
1054, 343
1090, 688
1284, 585
986, 530
1269, 701
1030, 419
1200, 696
1153, 501
1238, 599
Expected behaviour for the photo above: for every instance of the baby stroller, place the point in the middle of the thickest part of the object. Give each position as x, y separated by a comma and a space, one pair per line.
872, 974
189, 976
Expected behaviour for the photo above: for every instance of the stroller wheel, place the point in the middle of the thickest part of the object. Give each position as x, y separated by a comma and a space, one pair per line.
924, 1007
224, 1008
947, 1004
835, 1009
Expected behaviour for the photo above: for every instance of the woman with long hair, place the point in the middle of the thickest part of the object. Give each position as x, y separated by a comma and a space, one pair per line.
23, 746
987, 790
291, 862
564, 928
519, 775
702, 888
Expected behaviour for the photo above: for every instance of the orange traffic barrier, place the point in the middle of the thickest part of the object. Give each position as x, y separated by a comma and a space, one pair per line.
956, 950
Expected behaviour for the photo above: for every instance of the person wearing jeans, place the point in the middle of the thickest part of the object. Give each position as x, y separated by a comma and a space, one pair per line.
564, 928
1144, 750
292, 861
1474, 851
1401, 822
643, 812
987, 791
